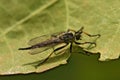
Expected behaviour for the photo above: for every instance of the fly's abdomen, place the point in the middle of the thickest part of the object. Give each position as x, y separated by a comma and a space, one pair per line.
27, 48
48, 43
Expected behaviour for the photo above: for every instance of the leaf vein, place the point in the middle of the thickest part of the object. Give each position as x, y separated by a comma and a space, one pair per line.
37, 11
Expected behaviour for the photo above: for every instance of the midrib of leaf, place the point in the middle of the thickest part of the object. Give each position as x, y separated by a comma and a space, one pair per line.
67, 14
37, 11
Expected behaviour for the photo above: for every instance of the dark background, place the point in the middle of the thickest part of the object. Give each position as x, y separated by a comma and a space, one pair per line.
79, 67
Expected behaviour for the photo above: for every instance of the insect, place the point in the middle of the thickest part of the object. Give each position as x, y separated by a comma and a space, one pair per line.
40, 44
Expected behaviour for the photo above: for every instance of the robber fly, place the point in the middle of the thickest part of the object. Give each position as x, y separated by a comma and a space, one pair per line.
40, 44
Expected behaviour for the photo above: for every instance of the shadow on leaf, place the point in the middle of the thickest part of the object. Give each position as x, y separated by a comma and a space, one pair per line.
64, 55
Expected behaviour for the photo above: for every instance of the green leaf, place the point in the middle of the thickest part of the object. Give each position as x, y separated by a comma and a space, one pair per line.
22, 20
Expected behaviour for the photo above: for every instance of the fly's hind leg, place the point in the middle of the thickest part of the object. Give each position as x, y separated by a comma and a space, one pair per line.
57, 49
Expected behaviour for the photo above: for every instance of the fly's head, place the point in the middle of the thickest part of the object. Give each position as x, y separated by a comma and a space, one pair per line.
78, 34
67, 37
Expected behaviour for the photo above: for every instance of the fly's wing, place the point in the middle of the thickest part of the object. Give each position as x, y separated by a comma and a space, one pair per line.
41, 49
38, 50
53, 47
40, 39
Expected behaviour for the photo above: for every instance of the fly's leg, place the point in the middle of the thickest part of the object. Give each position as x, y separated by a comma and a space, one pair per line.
85, 52
57, 49
86, 43
98, 35
88, 52
36, 66
54, 49
71, 48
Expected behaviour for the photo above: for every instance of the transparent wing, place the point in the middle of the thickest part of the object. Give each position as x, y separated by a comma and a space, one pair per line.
38, 50
39, 39
41, 49
42, 38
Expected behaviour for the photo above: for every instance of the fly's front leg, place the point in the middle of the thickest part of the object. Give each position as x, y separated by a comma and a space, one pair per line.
98, 35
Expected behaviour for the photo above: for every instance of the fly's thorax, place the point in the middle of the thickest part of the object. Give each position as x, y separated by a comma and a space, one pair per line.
67, 37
